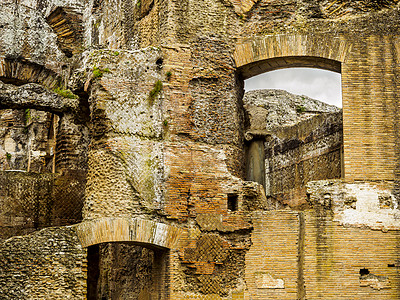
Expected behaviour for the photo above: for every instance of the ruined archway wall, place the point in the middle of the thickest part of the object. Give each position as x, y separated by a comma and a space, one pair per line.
202, 101
368, 67
369, 75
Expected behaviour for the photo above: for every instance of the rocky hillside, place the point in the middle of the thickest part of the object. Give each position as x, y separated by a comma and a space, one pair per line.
268, 109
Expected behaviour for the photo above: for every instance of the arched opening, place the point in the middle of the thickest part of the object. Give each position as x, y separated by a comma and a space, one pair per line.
125, 245
42, 149
126, 270
292, 138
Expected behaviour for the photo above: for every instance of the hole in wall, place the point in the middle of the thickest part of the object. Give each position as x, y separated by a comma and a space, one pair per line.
68, 53
138, 272
364, 272
159, 62
233, 202
391, 265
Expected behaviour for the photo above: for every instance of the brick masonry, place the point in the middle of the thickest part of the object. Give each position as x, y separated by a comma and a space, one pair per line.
162, 85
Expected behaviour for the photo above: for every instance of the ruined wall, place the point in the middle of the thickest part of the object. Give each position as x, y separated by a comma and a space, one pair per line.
335, 257
167, 124
272, 262
351, 242
345, 247
295, 155
48, 264
32, 201
125, 176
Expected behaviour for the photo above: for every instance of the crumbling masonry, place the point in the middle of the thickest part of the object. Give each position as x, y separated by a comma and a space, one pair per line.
133, 166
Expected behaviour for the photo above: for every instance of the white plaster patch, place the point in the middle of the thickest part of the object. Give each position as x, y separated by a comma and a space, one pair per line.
375, 282
267, 281
368, 209
9, 145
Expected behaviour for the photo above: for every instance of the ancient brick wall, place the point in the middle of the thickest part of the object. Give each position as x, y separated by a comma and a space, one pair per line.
370, 150
48, 264
335, 257
309, 255
32, 201
272, 262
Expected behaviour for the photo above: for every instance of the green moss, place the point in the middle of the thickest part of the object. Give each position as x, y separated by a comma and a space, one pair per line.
65, 93
27, 114
98, 73
300, 109
116, 53
165, 122
155, 91
139, 4
168, 74
8, 155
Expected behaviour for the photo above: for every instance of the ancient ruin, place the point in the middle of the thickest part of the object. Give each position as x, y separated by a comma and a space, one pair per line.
132, 165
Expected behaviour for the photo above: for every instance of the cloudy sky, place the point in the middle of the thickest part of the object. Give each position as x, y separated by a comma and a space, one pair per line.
317, 84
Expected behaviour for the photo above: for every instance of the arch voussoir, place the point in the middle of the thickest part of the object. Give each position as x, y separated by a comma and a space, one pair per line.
21, 71
263, 54
139, 231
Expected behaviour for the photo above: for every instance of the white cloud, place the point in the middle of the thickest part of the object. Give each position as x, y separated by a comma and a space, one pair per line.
315, 83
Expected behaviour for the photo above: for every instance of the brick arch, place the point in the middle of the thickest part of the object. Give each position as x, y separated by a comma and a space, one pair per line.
259, 55
20, 71
139, 231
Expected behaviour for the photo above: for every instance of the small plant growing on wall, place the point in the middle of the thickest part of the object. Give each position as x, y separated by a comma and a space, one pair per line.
65, 93
155, 91
98, 73
8, 156
300, 109
168, 74
27, 114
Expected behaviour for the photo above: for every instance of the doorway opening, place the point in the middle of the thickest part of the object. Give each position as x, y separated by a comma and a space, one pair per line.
126, 271
294, 131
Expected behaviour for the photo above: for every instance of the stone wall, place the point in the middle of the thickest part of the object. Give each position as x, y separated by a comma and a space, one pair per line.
294, 156
32, 201
48, 264
126, 153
